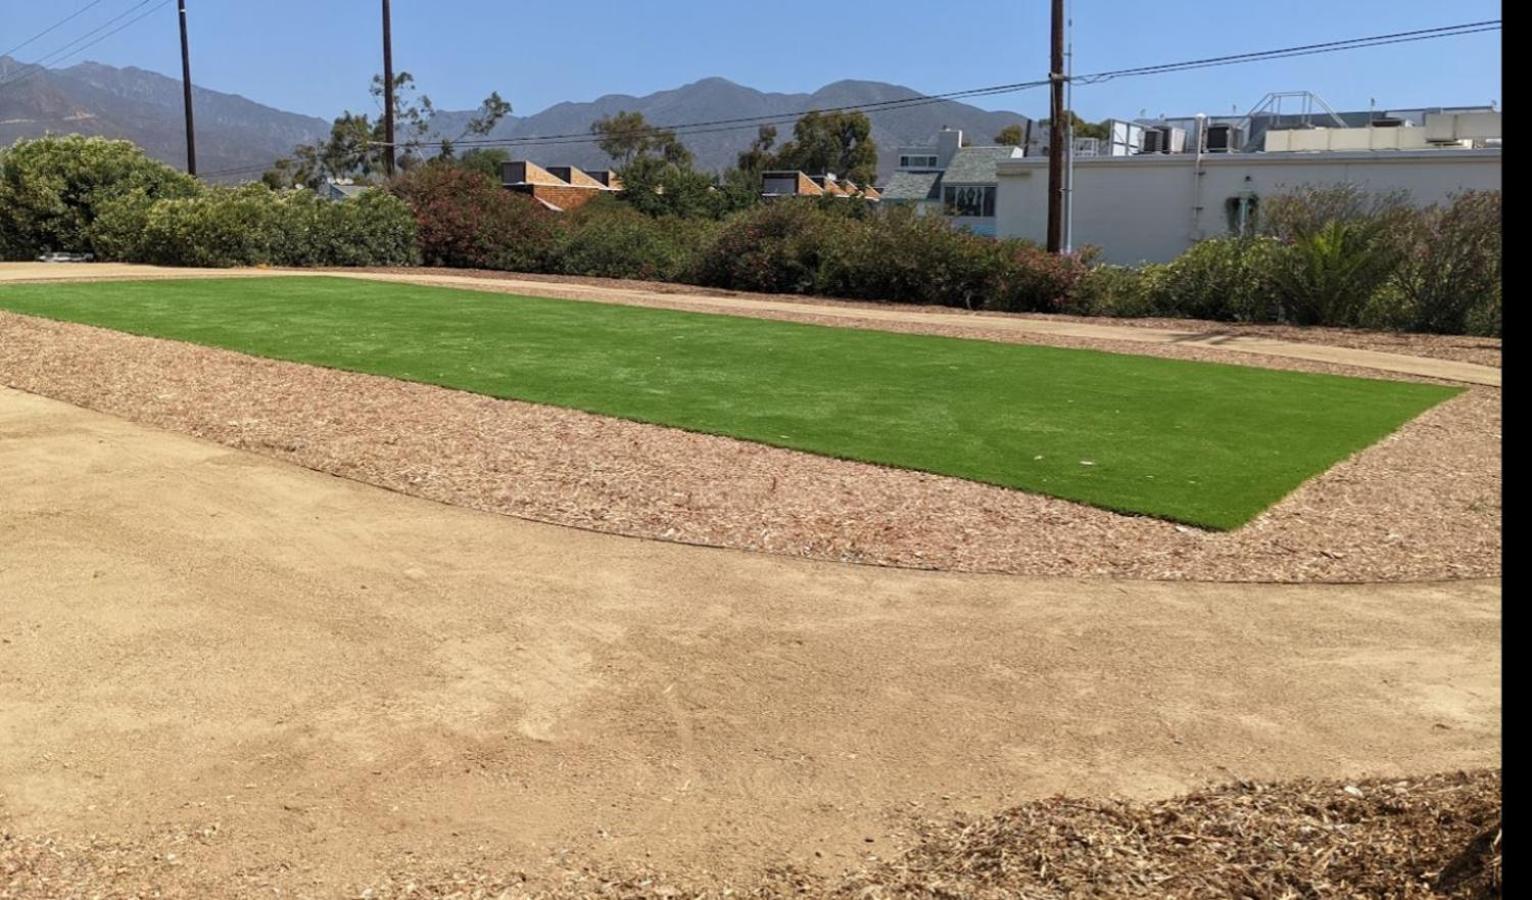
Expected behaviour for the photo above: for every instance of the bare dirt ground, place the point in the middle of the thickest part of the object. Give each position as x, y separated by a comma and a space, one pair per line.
1422, 504
225, 676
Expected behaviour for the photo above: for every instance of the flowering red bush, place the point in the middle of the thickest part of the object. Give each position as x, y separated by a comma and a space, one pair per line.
466, 220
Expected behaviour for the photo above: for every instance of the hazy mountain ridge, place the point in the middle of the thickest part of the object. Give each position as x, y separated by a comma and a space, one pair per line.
235, 133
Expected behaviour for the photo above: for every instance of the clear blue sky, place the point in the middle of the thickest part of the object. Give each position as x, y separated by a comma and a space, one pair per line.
316, 56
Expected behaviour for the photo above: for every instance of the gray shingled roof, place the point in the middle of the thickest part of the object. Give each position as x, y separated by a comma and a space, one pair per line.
913, 186
975, 165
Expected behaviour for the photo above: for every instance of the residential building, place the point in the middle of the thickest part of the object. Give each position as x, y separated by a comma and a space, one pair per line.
790, 183
342, 189
946, 178
559, 188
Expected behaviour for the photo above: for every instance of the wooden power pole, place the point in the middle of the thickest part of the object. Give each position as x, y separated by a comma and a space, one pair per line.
388, 90
186, 88
1058, 133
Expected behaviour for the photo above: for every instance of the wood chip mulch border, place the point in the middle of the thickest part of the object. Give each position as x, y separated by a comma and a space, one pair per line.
1424, 504
1437, 836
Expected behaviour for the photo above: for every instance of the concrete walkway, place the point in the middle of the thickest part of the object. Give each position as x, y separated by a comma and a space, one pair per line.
336, 676
1449, 370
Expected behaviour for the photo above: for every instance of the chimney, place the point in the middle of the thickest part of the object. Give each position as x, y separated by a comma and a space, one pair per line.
948, 141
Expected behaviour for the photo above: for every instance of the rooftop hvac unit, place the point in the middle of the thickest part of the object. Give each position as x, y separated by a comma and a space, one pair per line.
1124, 138
1164, 139
1224, 138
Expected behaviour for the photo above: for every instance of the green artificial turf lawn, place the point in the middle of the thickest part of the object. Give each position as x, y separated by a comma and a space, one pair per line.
1210, 445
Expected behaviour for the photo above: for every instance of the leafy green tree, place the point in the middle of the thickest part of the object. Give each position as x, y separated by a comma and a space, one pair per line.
1011, 136
835, 143
357, 144
1084, 129
52, 190
626, 137
485, 159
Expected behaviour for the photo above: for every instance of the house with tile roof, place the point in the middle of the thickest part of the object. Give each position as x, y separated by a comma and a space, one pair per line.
946, 178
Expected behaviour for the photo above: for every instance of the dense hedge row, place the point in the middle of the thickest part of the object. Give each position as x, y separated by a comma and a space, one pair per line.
91, 195
1334, 256
1331, 256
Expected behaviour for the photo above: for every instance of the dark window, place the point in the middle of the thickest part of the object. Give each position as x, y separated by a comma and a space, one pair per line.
969, 200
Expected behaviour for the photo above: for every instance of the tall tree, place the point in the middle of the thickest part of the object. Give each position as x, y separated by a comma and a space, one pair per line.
837, 143
627, 136
1011, 136
355, 146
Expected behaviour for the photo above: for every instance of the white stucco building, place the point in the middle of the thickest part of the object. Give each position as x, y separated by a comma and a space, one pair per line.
1150, 208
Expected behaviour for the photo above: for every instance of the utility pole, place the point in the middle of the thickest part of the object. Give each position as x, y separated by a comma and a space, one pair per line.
186, 88
388, 90
1058, 133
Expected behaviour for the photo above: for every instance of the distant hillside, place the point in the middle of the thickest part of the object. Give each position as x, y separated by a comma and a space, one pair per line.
717, 98
145, 107
236, 133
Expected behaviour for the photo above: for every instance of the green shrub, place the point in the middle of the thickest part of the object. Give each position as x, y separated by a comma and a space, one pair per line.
466, 220
774, 248
608, 239
1223, 279
900, 256
1107, 290
1451, 265
1027, 278
52, 189
253, 225
1329, 276
219, 228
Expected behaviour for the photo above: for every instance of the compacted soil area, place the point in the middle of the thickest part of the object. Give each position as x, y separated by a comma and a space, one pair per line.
221, 675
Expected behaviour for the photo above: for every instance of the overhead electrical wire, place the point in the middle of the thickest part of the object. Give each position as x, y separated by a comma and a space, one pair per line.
742, 122
69, 18
75, 46
1093, 78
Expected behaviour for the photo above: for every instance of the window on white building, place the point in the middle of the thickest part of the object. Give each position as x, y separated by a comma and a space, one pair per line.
969, 200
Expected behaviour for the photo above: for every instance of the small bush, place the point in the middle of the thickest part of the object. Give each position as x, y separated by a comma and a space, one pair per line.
466, 220
1223, 279
1027, 278
608, 239
1107, 290
902, 257
1450, 268
775, 248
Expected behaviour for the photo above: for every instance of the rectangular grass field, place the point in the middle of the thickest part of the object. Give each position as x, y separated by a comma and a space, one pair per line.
1206, 444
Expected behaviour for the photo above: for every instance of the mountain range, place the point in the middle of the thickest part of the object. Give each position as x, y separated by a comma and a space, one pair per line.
237, 137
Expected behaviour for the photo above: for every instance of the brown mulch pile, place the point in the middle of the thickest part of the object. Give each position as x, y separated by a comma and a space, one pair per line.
1485, 351
1422, 504
1437, 836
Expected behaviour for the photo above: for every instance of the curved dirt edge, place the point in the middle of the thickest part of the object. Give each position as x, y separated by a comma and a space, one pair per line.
1421, 505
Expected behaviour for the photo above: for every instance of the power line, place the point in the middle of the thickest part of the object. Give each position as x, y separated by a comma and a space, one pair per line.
70, 49
1401, 37
733, 124
69, 18
993, 90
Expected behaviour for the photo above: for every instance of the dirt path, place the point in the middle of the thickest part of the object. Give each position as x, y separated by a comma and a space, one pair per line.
300, 681
1118, 337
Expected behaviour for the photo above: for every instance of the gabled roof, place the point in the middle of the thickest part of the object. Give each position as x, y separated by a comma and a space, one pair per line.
976, 165
913, 186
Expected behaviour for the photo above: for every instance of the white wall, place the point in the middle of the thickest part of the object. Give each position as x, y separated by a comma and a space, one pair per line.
1141, 208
